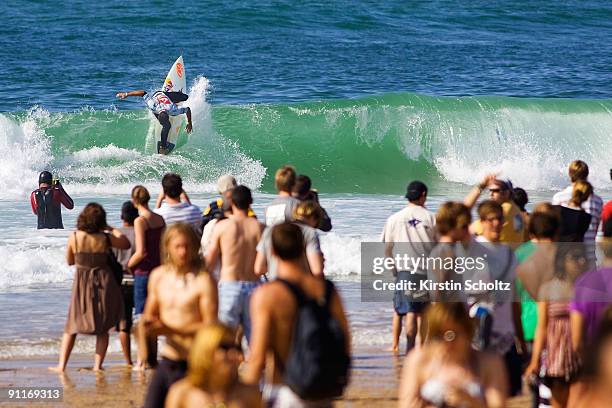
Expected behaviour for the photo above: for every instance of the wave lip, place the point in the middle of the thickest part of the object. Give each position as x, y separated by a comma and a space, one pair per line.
376, 144
369, 145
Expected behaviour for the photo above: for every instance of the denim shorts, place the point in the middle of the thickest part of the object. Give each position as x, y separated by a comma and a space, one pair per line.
140, 292
234, 297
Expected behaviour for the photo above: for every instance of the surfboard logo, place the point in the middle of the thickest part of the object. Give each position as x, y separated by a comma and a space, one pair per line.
168, 84
179, 70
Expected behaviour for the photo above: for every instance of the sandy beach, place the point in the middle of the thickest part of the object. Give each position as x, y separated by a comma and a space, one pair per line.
374, 381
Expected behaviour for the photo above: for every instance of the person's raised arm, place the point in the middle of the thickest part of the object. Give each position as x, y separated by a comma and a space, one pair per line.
472, 197
185, 197
123, 95
160, 198
117, 239
64, 198
325, 223
139, 241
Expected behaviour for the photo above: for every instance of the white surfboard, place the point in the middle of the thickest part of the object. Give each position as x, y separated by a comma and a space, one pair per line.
176, 81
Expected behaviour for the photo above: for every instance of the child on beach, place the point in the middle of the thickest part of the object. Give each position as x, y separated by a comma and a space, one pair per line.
128, 214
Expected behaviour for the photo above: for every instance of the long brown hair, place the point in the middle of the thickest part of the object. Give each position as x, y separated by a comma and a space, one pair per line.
195, 260
92, 219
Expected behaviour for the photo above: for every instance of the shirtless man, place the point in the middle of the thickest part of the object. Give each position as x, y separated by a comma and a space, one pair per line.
182, 299
274, 309
235, 240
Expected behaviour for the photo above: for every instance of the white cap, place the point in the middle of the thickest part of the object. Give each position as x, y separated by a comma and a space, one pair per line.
225, 183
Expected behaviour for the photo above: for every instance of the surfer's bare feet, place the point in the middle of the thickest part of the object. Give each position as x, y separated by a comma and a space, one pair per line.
56, 369
98, 369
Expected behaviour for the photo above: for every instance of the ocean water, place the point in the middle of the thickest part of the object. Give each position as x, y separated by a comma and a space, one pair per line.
362, 96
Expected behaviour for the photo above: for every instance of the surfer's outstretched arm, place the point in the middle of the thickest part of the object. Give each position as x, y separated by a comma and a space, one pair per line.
123, 95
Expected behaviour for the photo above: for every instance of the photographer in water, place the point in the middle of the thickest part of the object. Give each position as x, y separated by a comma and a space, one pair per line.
47, 201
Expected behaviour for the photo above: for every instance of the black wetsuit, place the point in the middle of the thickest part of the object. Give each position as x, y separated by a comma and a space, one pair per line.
47, 205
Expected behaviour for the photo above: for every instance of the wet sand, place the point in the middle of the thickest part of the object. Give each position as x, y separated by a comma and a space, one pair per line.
373, 384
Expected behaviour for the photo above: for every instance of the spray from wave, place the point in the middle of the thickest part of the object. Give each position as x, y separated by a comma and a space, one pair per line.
110, 151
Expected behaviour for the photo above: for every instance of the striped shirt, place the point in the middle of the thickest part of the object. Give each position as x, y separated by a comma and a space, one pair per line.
592, 205
182, 212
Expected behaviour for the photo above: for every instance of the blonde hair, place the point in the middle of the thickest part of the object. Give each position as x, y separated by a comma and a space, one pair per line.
141, 195
578, 170
206, 342
181, 228
307, 209
581, 192
284, 179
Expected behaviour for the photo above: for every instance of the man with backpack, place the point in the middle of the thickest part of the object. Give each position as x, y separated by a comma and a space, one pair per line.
300, 320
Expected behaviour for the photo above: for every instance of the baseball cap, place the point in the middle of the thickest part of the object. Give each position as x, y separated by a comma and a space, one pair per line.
415, 190
225, 183
504, 184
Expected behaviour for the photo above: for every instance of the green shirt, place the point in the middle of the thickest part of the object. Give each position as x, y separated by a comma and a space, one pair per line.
529, 308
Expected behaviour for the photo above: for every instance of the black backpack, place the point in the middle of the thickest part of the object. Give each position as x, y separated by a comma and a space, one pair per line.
318, 365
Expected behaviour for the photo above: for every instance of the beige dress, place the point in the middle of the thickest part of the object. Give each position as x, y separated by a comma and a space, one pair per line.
96, 304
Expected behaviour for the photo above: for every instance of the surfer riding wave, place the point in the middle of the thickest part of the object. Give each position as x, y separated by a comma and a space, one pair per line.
163, 105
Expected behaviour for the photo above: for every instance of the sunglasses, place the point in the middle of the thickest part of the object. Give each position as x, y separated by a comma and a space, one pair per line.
230, 346
491, 219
